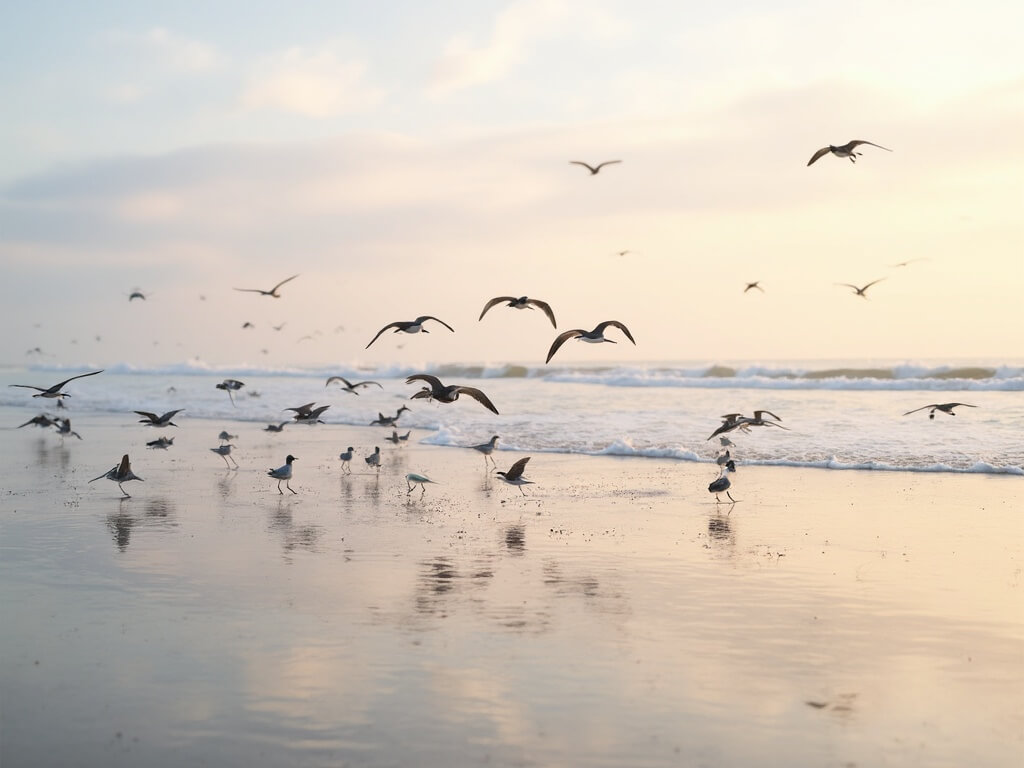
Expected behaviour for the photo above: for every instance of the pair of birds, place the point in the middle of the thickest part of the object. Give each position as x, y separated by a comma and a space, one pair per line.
514, 476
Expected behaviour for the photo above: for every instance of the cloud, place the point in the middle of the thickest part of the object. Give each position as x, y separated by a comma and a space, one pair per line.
174, 51
314, 83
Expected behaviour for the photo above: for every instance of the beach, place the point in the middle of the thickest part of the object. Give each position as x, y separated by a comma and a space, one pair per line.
612, 615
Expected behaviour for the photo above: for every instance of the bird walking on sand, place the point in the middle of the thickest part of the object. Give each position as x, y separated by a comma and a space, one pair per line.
755, 284
283, 473
348, 386
152, 420
722, 484
54, 391
272, 292
845, 150
435, 390
64, 429
595, 336
388, 421
594, 169
230, 386
514, 476
346, 457
410, 326
523, 302
944, 407
373, 459
862, 290
224, 451
121, 473
417, 479
487, 449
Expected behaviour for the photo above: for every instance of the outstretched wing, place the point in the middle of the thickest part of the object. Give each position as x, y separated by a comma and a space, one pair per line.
590, 168
560, 340
862, 290
422, 318
286, 280
170, 414
517, 469
432, 381
479, 396
492, 302
819, 153
389, 325
252, 290
302, 408
606, 162
125, 468
342, 379
366, 384
858, 142
546, 308
757, 414
148, 415
79, 376
600, 328
933, 405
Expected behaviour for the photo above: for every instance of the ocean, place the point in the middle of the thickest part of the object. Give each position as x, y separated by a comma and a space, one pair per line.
836, 416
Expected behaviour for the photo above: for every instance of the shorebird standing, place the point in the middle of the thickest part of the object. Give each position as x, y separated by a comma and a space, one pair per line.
229, 386
272, 292
487, 449
514, 476
64, 429
722, 484
283, 473
121, 473
944, 407
523, 302
845, 150
447, 394
346, 457
224, 451
862, 290
418, 479
595, 336
348, 386
388, 421
374, 459
54, 391
152, 420
410, 326
594, 169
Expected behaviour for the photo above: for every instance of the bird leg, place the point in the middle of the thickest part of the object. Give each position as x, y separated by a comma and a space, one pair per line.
126, 494
521, 490
730, 497
279, 488
410, 487
225, 461
288, 485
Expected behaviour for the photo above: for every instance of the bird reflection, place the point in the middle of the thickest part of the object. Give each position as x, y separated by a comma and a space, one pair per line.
157, 513
515, 540
293, 537
720, 530
120, 525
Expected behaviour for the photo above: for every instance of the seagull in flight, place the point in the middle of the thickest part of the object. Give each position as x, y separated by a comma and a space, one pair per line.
136, 295
944, 407
846, 150
388, 421
272, 292
594, 169
152, 420
348, 386
514, 476
908, 261
861, 291
522, 302
54, 391
229, 386
411, 326
435, 390
595, 336
755, 284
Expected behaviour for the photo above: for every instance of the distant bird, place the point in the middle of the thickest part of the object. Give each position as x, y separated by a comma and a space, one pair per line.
224, 451
861, 291
229, 386
388, 421
594, 169
121, 473
283, 473
759, 420
373, 459
42, 420
447, 394
136, 295
163, 443
226, 437
152, 420
247, 324
397, 438
278, 327
726, 442
595, 336
730, 421
944, 407
487, 449
272, 292
846, 150
514, 476
411, 326
522, 302
64, 429
54, 391
723, 458
346, 457
307, 414
348, 386
722, 484
908, 261
755, 284
275, 427
418, 479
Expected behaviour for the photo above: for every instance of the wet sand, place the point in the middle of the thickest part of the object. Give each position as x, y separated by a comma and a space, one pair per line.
613, 616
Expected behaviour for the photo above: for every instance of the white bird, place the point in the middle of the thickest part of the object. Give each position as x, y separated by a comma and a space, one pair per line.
845, 150
272, 292
722, 484
523, 302
594, 169
121, 473
944, 407
487, 449
224, 451
595, 336
410, 326
374, 459
54, 391
346, 457
514, 476
283, 473
421, 480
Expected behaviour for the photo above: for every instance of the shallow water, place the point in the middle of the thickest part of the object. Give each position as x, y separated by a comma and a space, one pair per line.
611, 617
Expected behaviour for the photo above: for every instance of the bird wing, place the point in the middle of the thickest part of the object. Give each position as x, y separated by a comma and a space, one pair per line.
590, 168
600, 328
274, 289
819, 153
546, 308
757, 414
28, 386
606, 162
56, 388
317, 411
729, 426
170, 414
871, 283
516, 471
422, 318
560, 340
397, 324
302, 408
252, 290
125, 468
433, 381
479, 396
342, 379
366, 384
849, 285
858, 142
966, 405
933, 405
492, 302
148, 415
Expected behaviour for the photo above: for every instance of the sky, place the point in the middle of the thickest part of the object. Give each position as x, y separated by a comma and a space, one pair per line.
408, 159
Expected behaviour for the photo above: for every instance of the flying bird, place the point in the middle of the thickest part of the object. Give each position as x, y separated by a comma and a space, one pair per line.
397, 438
522, 302
755, 284
229, 386
908, 261
594, 168
64, 429
595, 336
388, 421
944, 407
121, 473
307, 414
275, 427
163, 443
411, 326
514, 476
136, 295
846, 150
348, 386
152, 420
283, 473
447, 394
42, 420
861, 291
54, 391
272, 292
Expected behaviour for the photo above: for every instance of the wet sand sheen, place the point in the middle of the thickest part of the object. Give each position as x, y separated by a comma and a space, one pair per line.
614, 616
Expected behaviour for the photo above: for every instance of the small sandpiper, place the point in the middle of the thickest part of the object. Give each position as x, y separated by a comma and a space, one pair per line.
418, 479
346, 457
722, 484
374, 459
283, 473
225, 437
224, 451
487, 449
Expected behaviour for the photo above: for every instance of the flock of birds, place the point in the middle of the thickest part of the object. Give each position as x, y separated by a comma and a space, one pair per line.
433, 389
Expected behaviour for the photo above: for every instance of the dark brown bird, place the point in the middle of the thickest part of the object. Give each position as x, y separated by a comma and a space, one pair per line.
54, 391
595, 336
846, 150
151, 419
272, 292
447, 394
861, 291
944, 407
411, 326
594, 169
348, 386
522, 302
